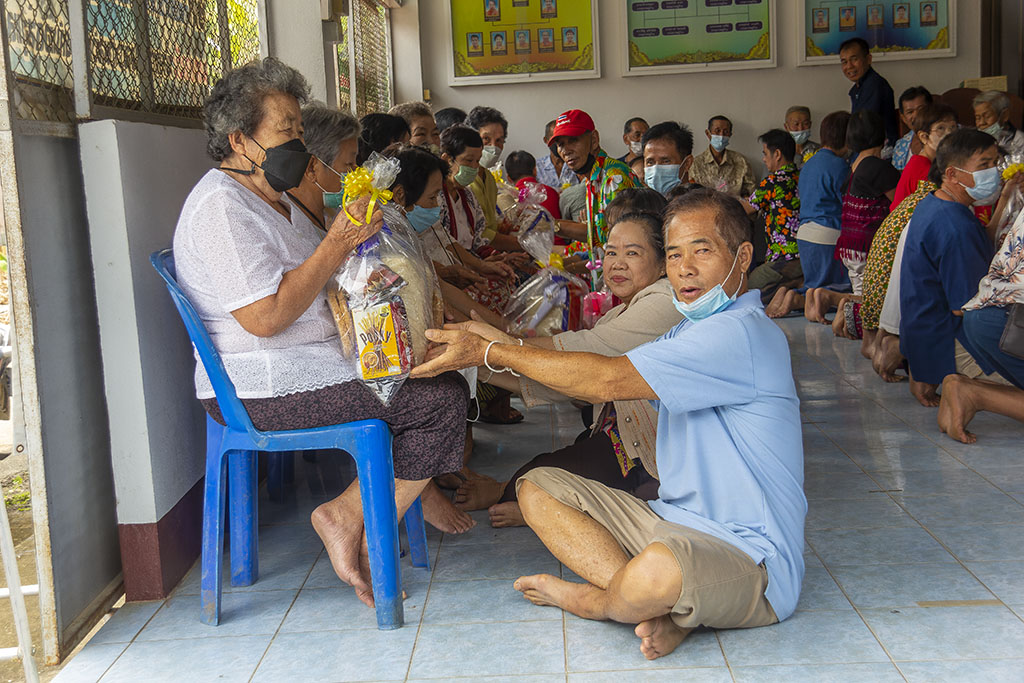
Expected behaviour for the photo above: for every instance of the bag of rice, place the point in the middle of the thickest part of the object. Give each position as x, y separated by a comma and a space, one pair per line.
385, 295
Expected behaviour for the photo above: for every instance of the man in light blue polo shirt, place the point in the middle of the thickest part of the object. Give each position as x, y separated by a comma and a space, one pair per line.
722, 546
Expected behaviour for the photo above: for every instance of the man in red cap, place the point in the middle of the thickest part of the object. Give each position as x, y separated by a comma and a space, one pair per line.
579, 146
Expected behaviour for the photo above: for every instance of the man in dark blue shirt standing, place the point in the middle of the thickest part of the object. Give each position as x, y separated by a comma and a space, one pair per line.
870, 91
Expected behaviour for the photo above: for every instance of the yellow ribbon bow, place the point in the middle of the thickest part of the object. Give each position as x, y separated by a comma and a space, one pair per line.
358, 183
556, 261
1012, 170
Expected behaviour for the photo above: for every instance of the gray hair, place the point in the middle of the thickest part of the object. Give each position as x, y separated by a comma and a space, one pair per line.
412, 110
236, 100
995, 99
798, 109
325, 128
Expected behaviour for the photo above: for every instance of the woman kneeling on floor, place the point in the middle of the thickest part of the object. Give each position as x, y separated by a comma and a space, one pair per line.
255, 266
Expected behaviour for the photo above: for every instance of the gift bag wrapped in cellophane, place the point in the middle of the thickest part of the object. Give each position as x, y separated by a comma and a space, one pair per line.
550, 301
1010, 167
385, 295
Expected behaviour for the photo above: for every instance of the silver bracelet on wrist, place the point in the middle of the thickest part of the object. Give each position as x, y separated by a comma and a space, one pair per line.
488, 365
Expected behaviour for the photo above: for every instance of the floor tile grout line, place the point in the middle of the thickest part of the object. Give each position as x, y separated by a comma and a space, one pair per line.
725, 657
893, 498
426, 601
856, 610
163, 603
284, 618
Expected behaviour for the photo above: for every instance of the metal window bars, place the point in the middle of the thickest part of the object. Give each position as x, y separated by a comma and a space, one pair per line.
363, 59
156, 57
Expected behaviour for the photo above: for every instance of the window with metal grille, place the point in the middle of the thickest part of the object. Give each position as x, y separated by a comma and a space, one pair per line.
156, 57
364, 59
39, 58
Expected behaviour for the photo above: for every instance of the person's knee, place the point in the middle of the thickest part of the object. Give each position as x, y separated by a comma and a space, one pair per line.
452, 393
531, 498
652, 579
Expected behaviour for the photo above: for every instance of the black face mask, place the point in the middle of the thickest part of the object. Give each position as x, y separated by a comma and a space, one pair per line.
284, 165
554, 149
587, 167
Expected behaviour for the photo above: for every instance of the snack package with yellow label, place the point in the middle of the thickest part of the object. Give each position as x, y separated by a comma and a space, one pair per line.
385, 295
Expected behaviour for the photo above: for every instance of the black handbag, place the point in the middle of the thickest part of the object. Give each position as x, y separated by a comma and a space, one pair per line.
1012, 341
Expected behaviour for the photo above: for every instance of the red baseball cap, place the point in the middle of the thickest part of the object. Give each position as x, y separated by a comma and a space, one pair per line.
572, 123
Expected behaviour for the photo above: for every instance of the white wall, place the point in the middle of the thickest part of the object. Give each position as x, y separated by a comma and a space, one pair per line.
296, 38
137, 176
754, 99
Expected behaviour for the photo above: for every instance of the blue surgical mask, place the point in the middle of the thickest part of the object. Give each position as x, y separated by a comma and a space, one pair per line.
332, 200
800, 136
711, 301
986, 184
421, 219
661, 178
994, 130
719, 142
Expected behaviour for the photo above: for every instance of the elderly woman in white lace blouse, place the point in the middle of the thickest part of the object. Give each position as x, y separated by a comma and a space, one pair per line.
255, 265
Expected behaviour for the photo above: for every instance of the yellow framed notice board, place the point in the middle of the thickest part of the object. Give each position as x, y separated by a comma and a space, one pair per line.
507, 41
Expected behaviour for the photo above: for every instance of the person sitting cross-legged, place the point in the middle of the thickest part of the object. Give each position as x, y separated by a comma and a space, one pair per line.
722, 546
621, 441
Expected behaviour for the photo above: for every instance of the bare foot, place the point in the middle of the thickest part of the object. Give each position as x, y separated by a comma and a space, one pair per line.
478, 494
506, 515
887, 358
839, 322
817, 305
774, 307
956, 408
441, 514
544, 589
659, 636
454, 480
926, 394
450, 481
867, 344
794, 301
340, 526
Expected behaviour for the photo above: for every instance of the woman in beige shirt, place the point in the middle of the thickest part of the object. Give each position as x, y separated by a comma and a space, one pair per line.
620, 449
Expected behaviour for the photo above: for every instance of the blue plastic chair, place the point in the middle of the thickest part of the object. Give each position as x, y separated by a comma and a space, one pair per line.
231, 466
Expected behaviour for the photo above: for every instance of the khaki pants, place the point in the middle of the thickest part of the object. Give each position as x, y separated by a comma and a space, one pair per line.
721, 585
967, 366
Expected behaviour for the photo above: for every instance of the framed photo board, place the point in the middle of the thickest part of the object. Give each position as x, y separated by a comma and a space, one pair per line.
513, 41
895, 30
676, 36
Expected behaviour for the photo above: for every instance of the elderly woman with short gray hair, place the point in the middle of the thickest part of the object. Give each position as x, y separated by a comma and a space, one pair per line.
332, 137
254, 266
992, 116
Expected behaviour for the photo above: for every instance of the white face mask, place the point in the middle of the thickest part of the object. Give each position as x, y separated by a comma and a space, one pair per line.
636, 147
490, 156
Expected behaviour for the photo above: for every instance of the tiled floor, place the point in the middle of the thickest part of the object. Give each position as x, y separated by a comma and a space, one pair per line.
915, 570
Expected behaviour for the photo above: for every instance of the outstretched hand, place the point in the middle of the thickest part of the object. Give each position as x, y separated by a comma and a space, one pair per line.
454, 348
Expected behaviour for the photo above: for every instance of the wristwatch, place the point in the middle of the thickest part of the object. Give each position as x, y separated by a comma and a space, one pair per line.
558, 225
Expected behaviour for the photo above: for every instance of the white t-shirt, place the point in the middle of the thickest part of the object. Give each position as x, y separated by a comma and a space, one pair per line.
232, 249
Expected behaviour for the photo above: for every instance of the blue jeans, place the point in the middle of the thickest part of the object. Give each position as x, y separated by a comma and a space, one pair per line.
983, 328
821, 269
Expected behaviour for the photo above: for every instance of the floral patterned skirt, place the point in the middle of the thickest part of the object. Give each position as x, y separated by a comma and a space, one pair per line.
883, 253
